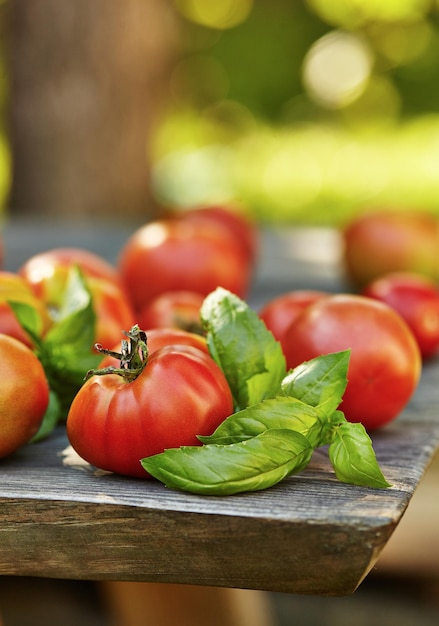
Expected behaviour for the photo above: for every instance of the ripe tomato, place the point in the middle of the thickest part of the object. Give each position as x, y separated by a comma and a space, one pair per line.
173, 309
14, 288
112, 308
242, 227
24, 394
47, 273
385, 363
179, 393
381, 242
416, 299
159, 338
172, 254
279, 313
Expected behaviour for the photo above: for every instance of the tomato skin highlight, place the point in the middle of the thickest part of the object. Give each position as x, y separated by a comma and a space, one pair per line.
242, 227
181, 393
416, 299
174, 254
385, 363
24, 394
46, 272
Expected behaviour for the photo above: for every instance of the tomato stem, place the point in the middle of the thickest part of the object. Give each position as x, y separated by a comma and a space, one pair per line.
132, 357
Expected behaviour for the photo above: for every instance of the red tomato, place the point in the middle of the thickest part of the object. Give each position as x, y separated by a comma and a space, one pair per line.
47, 273
169, 255
15, 288
113, 311
385, 363
180, 393
24, 394
159, 338
242, 227
381, 242
416, 299
279, 313
173, 309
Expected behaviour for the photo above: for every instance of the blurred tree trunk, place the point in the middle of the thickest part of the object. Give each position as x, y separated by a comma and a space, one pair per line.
87, 81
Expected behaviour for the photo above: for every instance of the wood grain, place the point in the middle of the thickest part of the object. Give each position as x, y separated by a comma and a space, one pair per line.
310, 534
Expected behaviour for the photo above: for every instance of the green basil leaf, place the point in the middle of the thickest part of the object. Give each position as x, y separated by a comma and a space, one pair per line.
50, 419
251, 359
276, 413
251, 465
29, 319
353, 458
320, 381
67, 349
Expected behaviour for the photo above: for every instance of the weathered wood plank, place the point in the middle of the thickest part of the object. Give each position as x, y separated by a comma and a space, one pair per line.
309, 534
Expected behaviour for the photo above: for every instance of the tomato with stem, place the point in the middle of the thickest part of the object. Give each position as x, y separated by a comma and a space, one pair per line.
150, 403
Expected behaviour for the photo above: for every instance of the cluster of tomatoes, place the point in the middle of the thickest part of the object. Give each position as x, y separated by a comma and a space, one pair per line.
163, 273
390, 322
162, 390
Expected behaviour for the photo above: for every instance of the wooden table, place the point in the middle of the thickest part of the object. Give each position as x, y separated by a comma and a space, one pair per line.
310, 534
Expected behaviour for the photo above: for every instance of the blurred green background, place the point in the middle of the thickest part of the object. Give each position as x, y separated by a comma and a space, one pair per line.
304, 110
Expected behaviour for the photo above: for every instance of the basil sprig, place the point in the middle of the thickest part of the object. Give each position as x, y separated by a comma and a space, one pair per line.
66, 350
280, 417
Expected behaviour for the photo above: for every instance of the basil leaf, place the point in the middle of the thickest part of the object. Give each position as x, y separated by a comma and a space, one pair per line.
29, 319
66, 352
277, 413
248, 354
320, 381
251, 465
353, 458
50, 419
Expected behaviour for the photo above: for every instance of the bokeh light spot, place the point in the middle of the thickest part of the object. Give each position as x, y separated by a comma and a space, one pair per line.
336, 69
220, 14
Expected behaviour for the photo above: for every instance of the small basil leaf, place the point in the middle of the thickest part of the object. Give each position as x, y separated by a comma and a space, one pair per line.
353, 458
251, 465
251, 359
278, 413
320, 381
29, 319
66, 352
50, 419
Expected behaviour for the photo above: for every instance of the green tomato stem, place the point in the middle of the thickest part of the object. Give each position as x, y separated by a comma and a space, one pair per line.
132, 357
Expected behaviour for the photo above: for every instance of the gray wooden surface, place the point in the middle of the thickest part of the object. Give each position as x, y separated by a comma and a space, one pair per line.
310, 534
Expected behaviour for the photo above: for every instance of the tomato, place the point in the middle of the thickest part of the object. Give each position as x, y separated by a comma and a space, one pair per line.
180, 393
380, 242
24, 394
173, 309
112, 308
47, 273
416, 299
279, 313
239, 223
158, 338
15, 288
385, 362
172, 254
